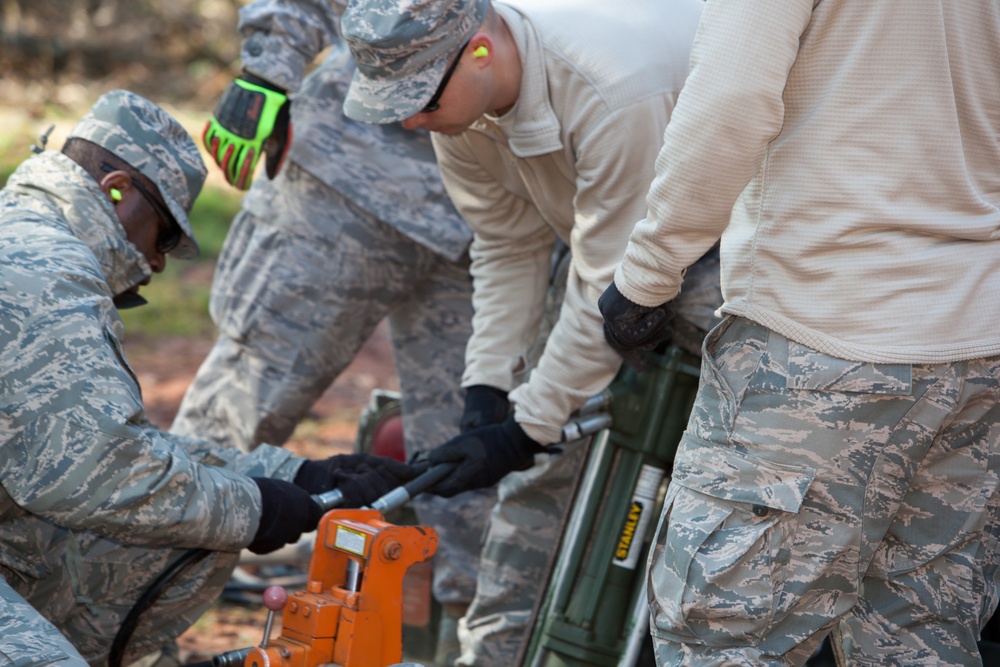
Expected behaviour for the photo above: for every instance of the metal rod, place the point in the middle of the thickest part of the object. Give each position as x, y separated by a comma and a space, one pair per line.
353, 575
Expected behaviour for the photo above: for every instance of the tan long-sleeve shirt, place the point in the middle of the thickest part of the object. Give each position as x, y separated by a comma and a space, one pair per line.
572, 159
850, 150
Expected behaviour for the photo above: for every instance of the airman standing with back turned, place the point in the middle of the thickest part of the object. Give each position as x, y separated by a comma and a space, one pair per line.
841, 468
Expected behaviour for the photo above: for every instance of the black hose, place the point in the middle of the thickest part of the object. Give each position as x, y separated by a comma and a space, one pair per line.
148, 599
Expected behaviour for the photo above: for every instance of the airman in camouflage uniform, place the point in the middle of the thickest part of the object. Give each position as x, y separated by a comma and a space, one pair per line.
545, 118
354, 228
95, 500
840, 473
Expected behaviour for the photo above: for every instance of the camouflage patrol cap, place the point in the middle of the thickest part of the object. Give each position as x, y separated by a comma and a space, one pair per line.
401, 48
149, 139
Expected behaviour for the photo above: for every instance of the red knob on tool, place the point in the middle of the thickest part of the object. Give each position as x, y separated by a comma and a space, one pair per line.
275, 599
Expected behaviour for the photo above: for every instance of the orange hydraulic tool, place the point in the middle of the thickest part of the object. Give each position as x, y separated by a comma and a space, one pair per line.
350, 613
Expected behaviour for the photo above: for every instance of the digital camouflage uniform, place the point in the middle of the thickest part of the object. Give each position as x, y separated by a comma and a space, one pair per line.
840, 468
356, 227
95, 500
803, 480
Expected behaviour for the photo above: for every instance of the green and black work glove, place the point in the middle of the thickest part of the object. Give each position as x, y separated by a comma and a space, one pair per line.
484, 456
251, 118
361, 478
287, 511
484, 405
632, 329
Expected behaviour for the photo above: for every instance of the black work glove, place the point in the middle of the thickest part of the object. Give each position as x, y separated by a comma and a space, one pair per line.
360, 478
287, 511
484, 405
484, 456
252, 117
630, 328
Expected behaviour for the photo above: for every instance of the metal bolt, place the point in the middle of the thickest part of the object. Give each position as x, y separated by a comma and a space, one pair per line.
392, 550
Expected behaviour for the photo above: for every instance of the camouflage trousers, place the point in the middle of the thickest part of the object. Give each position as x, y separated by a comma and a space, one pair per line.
68, 609
526, 525
303, 280
523, 537
812, 494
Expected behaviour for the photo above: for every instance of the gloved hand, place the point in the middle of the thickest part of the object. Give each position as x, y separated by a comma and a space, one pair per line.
484, 405
484, 456
287, 511
360, 478
252, 117
630, 328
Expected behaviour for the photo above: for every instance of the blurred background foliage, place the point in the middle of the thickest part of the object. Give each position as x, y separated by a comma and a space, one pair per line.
58, 56
178, 51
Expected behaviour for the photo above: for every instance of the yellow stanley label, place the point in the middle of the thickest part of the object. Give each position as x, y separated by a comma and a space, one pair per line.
628, 532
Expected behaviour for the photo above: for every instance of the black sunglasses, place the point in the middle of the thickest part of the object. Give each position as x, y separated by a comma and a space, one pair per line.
433, 105
170, 233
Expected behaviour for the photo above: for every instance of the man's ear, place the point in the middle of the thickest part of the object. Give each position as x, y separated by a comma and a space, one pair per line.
117, 180
481, 48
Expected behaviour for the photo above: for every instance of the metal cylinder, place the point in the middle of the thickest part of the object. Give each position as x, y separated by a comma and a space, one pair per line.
353, 582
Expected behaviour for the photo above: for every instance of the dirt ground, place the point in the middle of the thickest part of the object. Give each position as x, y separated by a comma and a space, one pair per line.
165, 367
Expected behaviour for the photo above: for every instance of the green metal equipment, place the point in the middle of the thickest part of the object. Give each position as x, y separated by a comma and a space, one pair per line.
595, 612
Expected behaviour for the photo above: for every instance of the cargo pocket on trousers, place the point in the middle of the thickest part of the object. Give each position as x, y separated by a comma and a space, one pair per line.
719, 566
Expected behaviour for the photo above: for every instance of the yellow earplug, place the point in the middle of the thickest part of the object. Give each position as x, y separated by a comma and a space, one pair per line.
481, 52
116, 195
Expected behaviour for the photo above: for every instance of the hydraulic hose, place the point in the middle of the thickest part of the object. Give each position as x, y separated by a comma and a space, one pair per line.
187, 560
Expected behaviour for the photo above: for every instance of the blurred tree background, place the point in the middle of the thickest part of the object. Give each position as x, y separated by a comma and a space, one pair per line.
59, 52
58, 56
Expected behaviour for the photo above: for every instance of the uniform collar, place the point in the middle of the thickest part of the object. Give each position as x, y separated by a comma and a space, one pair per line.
58, 188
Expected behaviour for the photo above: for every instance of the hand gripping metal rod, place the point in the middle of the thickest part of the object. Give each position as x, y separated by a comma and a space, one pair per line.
395, 498
590, 419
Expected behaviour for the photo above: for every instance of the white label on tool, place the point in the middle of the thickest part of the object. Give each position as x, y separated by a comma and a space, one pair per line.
351, 541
